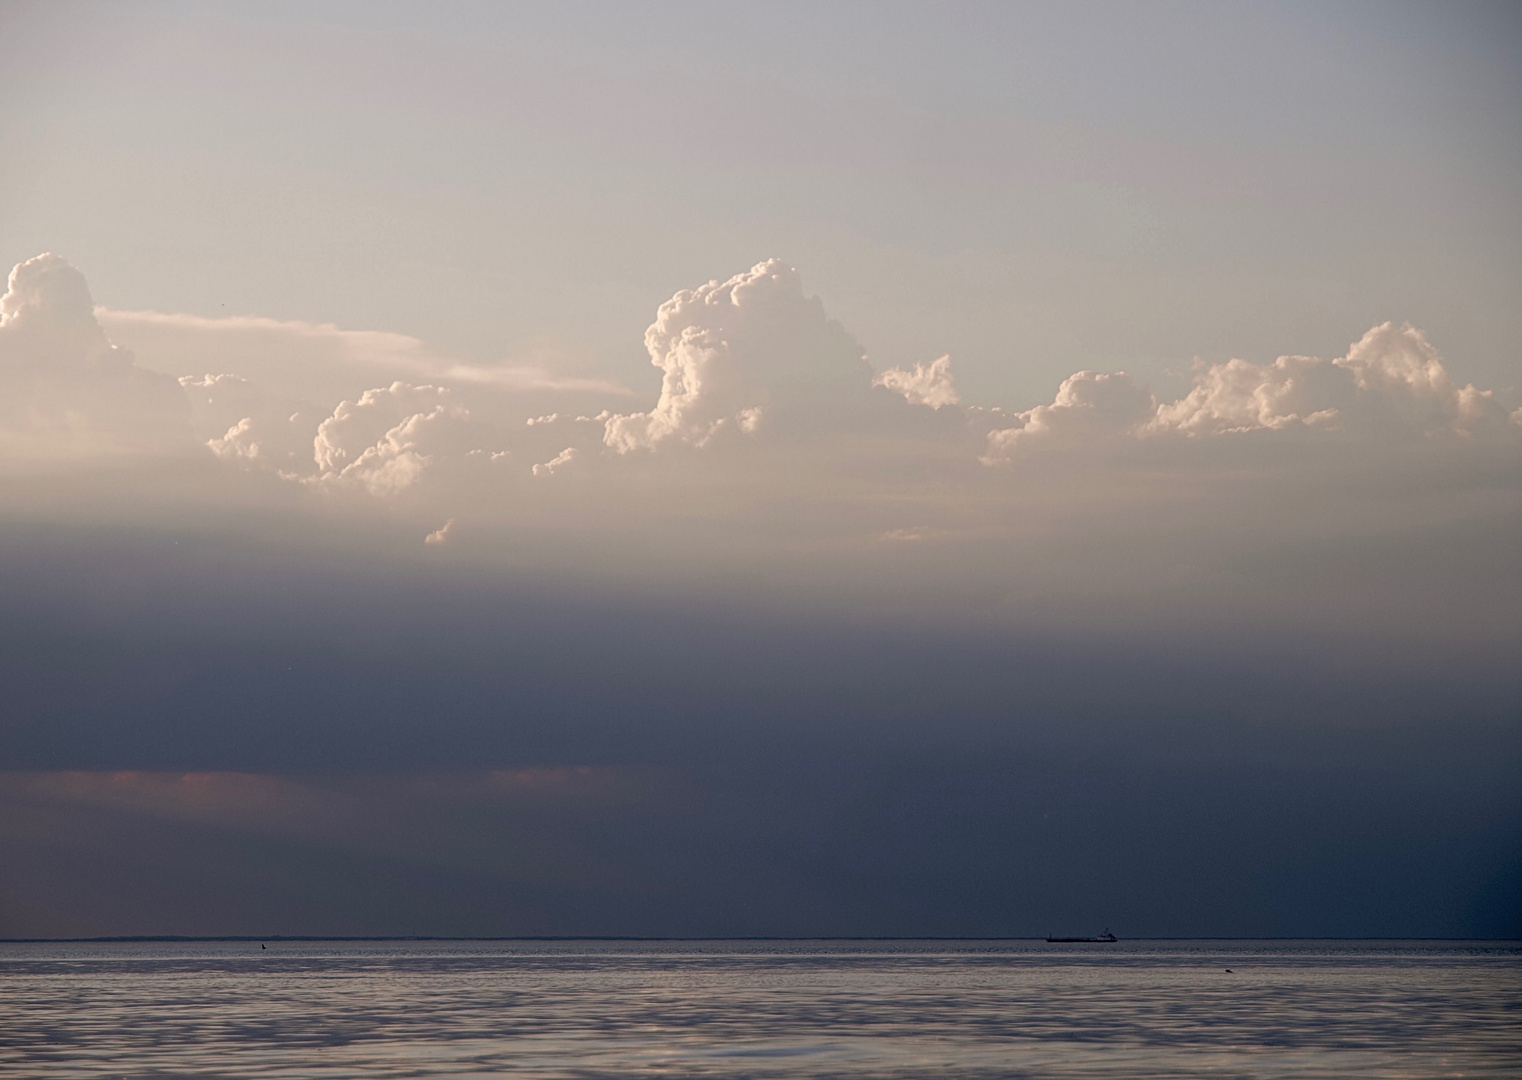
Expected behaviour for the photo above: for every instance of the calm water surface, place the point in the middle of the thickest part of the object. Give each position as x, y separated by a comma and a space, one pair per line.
761, 1009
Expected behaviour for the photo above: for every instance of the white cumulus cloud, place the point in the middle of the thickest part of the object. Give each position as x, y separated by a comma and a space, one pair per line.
924, 384
556, 463
386, 439
1392, 384
738, 352
64, 387
1089, 407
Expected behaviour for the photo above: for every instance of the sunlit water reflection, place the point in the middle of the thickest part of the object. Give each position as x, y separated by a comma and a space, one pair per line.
760, 1009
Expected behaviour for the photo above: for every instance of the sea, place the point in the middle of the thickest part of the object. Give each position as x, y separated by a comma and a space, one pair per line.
587, 1009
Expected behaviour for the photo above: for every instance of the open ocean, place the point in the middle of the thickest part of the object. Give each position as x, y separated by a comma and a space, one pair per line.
761, 1009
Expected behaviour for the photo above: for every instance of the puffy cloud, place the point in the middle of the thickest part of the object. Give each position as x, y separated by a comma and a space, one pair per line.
1089, 407
1403, 379
384, 441
285, 377
925, 384
740, 355
1392, 384
556, 463
238, 444
1239, 396
64, 388
239, 421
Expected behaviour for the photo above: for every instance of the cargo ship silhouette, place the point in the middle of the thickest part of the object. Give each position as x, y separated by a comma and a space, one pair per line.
1104, 937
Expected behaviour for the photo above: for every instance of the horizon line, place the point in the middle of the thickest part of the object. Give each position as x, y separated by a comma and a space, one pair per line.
148, 938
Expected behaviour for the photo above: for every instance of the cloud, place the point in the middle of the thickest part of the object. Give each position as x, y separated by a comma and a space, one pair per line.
442, 534
272, 382
1391, 385
751, 359
556, 463
385, 440
65, 390
740, 355
1392, 382
1238, 396
280, 347
748, 358
195, 796
264, 802
238, 443
925, 384
390, 814
771, 450
240, 421
1089, 407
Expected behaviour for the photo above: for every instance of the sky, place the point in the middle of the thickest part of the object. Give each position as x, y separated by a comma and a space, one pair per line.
709, 470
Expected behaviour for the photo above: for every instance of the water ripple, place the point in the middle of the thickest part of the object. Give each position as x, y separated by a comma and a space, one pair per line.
760, 1009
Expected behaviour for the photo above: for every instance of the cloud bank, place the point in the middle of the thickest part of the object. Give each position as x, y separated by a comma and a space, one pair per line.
737, 358
1391, 385
772, 444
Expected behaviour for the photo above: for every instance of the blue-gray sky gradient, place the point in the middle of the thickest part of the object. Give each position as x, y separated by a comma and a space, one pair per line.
1072, 475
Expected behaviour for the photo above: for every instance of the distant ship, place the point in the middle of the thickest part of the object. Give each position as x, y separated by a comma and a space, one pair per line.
1105, 937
